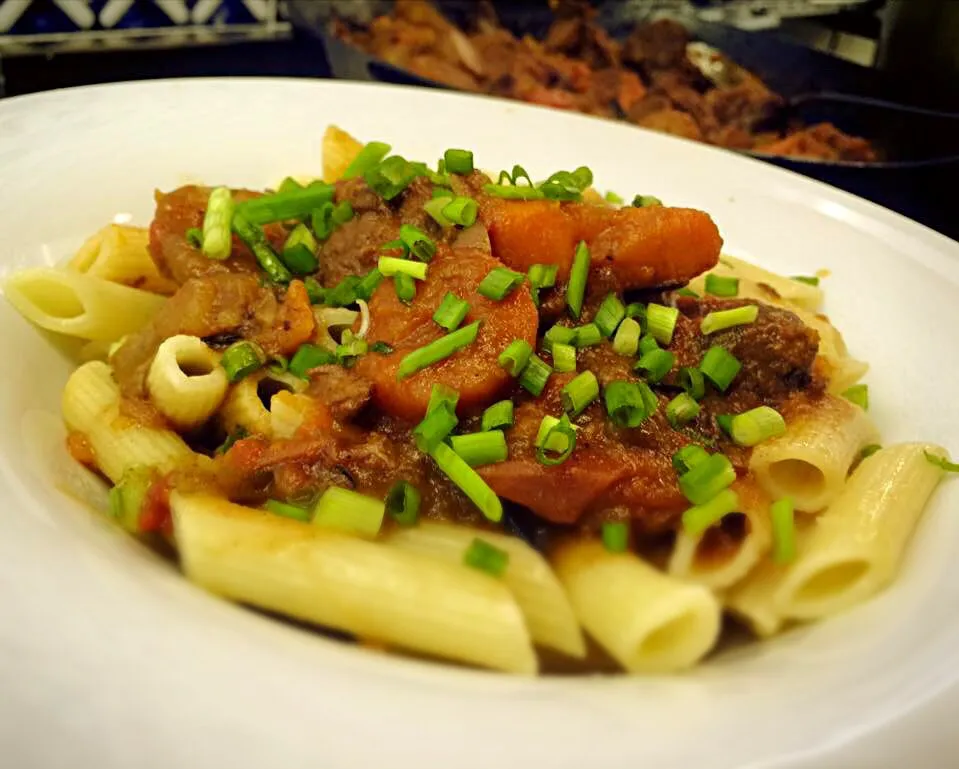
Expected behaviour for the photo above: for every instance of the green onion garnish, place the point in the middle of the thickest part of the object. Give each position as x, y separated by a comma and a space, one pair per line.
687, 291
443, 192
858, 394
299, 260
451, 312
723, 319
649, 398
626, 341
555, 440
655, 364
435, 208
515, 357
368, 284
646, 344
314, 291
725, 423
499, 283
366, 158
579, 392
390, 266
499, 416
282, 206
542, 275
295, 512
391, 176
720, 367
486, 557
437, 350
688, 457
784, 530
564, 357
403, 503
217, 238
692, 382
535, 375
343, 294
587, 336
417, 242
458, 161
567, 185
699, 518
350, 348
256, 241
809, 280
942, 462
309, 356
681, 410
559, 335
321, 220
625, 404
717, 285
610, 314
642, 201
442, 396
434, 428
868, 451
350, 512
381, 348
242, 359
478, 449
289, 184
405, 287
756, 425
615, 536
705, 480
510, 192
661, 322
461, 211
466, 478
576, 288
612, 197
342, 212
194, 236
301, 236
636, 310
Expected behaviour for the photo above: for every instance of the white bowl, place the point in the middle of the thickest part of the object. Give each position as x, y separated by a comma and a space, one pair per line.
109, 659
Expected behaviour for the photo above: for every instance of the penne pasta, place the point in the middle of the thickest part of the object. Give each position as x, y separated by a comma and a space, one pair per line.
121, 254
186, 382
375, 591
245, 407
793, 292
647, 621
79, 305
528, 576
811, 460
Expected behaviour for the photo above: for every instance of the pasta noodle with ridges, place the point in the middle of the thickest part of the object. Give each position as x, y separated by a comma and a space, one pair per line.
186, 382
244, 405
120, 253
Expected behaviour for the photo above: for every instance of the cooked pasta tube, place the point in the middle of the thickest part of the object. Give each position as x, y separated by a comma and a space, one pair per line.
854, 548
79, 305
792, 291
88, 393
811, 460
186, 382
726, 552
647, 621
339, 149
121, 254
528, 576
370, 589
245, 402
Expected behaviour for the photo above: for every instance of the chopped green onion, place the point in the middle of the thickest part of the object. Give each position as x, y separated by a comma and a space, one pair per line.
612, 197
656, 364
512, 192
809, 280
217, 238
486, 557
705, 514
705, 480
661, 321
299, 260
542, 275
435, 208
443, 192
518, 173
566, 185
391, 176
282, 206
588, 335
579, 392
688, 457
646, 344
564, 357
451, 312
350, 512
725, 423
418, 242
615, 536
515, 357
266, 257
366, 158
858, 394
301, 236
499, 416
781, 516
242, 359
625, 404
432, 431
756, 425
718, 285
535, 375
643, 201
576, 288
468, 481
194, 236
609, 315
342, 212
723, 319
369, 283
555, 440
720, 367
478, 449
868, 451
280, 364
309, 356
687, 291
127, 497
437, 350
442, 396
403, 503
405, 287
499, 283
315, 291
343, 294
649, 398
458, 161
390, 266
941, 462
461, 211
626, 341
681, 410
636, 310
559, 335
321, 220
289, 184
295, 512
350, 348
692, 382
